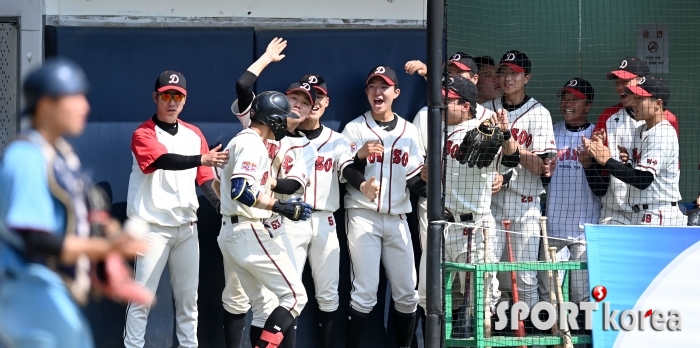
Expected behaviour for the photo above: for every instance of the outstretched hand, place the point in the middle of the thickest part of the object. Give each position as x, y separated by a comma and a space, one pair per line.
275, 48
215, 158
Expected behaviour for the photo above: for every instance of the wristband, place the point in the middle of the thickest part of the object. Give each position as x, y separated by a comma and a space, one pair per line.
506, 135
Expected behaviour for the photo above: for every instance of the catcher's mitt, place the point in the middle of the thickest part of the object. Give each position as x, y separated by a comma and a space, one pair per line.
113, 278
480, 145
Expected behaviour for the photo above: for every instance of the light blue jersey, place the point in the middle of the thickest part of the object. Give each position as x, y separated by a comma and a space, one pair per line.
41, 189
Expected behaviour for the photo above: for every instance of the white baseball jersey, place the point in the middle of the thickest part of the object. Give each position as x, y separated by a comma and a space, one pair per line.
400, 161
531, 127
248, 159
467, 190
570, 201
333, 155
620, 128
292, 158
421, 123
165, 197
656, 151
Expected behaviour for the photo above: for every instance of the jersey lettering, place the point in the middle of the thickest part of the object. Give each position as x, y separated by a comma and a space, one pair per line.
399, 157
567, 154
272, 149
325, 164
287, 164
526, 199
275, 225
263, 181
451, 149
522, 137
636, 155
378, 157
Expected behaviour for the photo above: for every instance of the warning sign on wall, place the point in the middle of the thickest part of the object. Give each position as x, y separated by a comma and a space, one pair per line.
652, 46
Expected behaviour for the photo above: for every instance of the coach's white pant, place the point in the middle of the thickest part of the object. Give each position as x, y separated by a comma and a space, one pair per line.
179, 248
615, 217
373, 238
579, 279
316, 238
660, 215
259, 261
525, 241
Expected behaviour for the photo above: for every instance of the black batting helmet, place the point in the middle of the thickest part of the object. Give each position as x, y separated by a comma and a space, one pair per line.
694, 217
57, 77
272, 109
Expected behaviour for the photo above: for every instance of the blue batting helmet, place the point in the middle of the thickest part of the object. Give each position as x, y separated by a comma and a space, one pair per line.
57, 77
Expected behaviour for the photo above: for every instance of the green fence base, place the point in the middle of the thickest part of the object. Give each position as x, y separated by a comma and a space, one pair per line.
514, 341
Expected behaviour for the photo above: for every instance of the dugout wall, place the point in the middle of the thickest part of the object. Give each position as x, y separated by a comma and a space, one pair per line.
122, 64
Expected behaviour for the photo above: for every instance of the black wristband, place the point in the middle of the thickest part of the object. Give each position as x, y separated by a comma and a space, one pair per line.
506, 135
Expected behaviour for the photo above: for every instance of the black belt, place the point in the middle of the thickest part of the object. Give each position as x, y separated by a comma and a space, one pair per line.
462, 218
646, 206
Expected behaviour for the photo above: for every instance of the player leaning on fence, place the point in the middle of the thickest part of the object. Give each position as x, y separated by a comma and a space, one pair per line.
650, 166
519, 199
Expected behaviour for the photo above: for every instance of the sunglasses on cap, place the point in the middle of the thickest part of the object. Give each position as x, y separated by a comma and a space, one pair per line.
177, 97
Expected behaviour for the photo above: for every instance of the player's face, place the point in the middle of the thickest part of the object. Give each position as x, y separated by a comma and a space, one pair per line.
620, 85
574, 109
644, 107
488, 84
319, 108
70, 113
510, 81
380, 94
301, 105
457, 112
453, 71
168, 108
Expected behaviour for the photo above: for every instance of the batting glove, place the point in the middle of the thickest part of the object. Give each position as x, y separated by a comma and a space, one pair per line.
293, 209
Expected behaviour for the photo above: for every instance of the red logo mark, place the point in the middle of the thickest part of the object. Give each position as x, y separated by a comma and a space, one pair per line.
648, 313
599, 293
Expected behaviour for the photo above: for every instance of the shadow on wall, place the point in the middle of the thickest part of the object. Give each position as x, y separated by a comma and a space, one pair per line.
122, 64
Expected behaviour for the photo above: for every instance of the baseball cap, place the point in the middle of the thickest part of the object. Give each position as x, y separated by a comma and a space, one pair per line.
579, 88
171, 80
386, 73
303, 87
629, 68
316, 82
463, 61
651, 86
459, 87
484, 60
517, 61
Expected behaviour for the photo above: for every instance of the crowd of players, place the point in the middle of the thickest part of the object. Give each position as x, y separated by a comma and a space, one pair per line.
276, 185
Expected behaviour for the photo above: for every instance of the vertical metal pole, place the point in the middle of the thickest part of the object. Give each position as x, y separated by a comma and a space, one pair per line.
433, 327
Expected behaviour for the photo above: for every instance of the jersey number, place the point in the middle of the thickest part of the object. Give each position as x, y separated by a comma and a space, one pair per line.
521, 136
287, 164
646, 218
526, 199
263, 181
323, 163
330, 221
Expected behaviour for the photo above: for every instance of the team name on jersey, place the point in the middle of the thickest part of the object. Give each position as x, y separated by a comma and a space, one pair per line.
521, 136
398, 156
272, 149
324, 164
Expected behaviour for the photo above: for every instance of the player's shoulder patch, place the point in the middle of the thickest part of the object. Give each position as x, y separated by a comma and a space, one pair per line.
249, 166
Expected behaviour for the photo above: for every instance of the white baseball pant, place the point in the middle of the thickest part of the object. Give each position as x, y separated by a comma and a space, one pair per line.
260, 261
177, 246
615, 217
373, 238
659, 215
579, 279
423, 234
316, 238
525, 241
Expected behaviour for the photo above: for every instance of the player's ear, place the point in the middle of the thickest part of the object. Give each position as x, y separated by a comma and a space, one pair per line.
155, 97
588, 107
326, 101
475, 78
527, 78
396, 92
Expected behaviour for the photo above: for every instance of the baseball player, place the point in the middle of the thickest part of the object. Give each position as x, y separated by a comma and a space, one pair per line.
249, 247
650, 168
487, 84
169, 157
388, 148
616, 126
468, 189
519, 199
570, 201
44, 218
333, 165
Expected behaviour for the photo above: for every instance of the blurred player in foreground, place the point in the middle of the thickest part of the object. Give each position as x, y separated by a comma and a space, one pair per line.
48, 232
